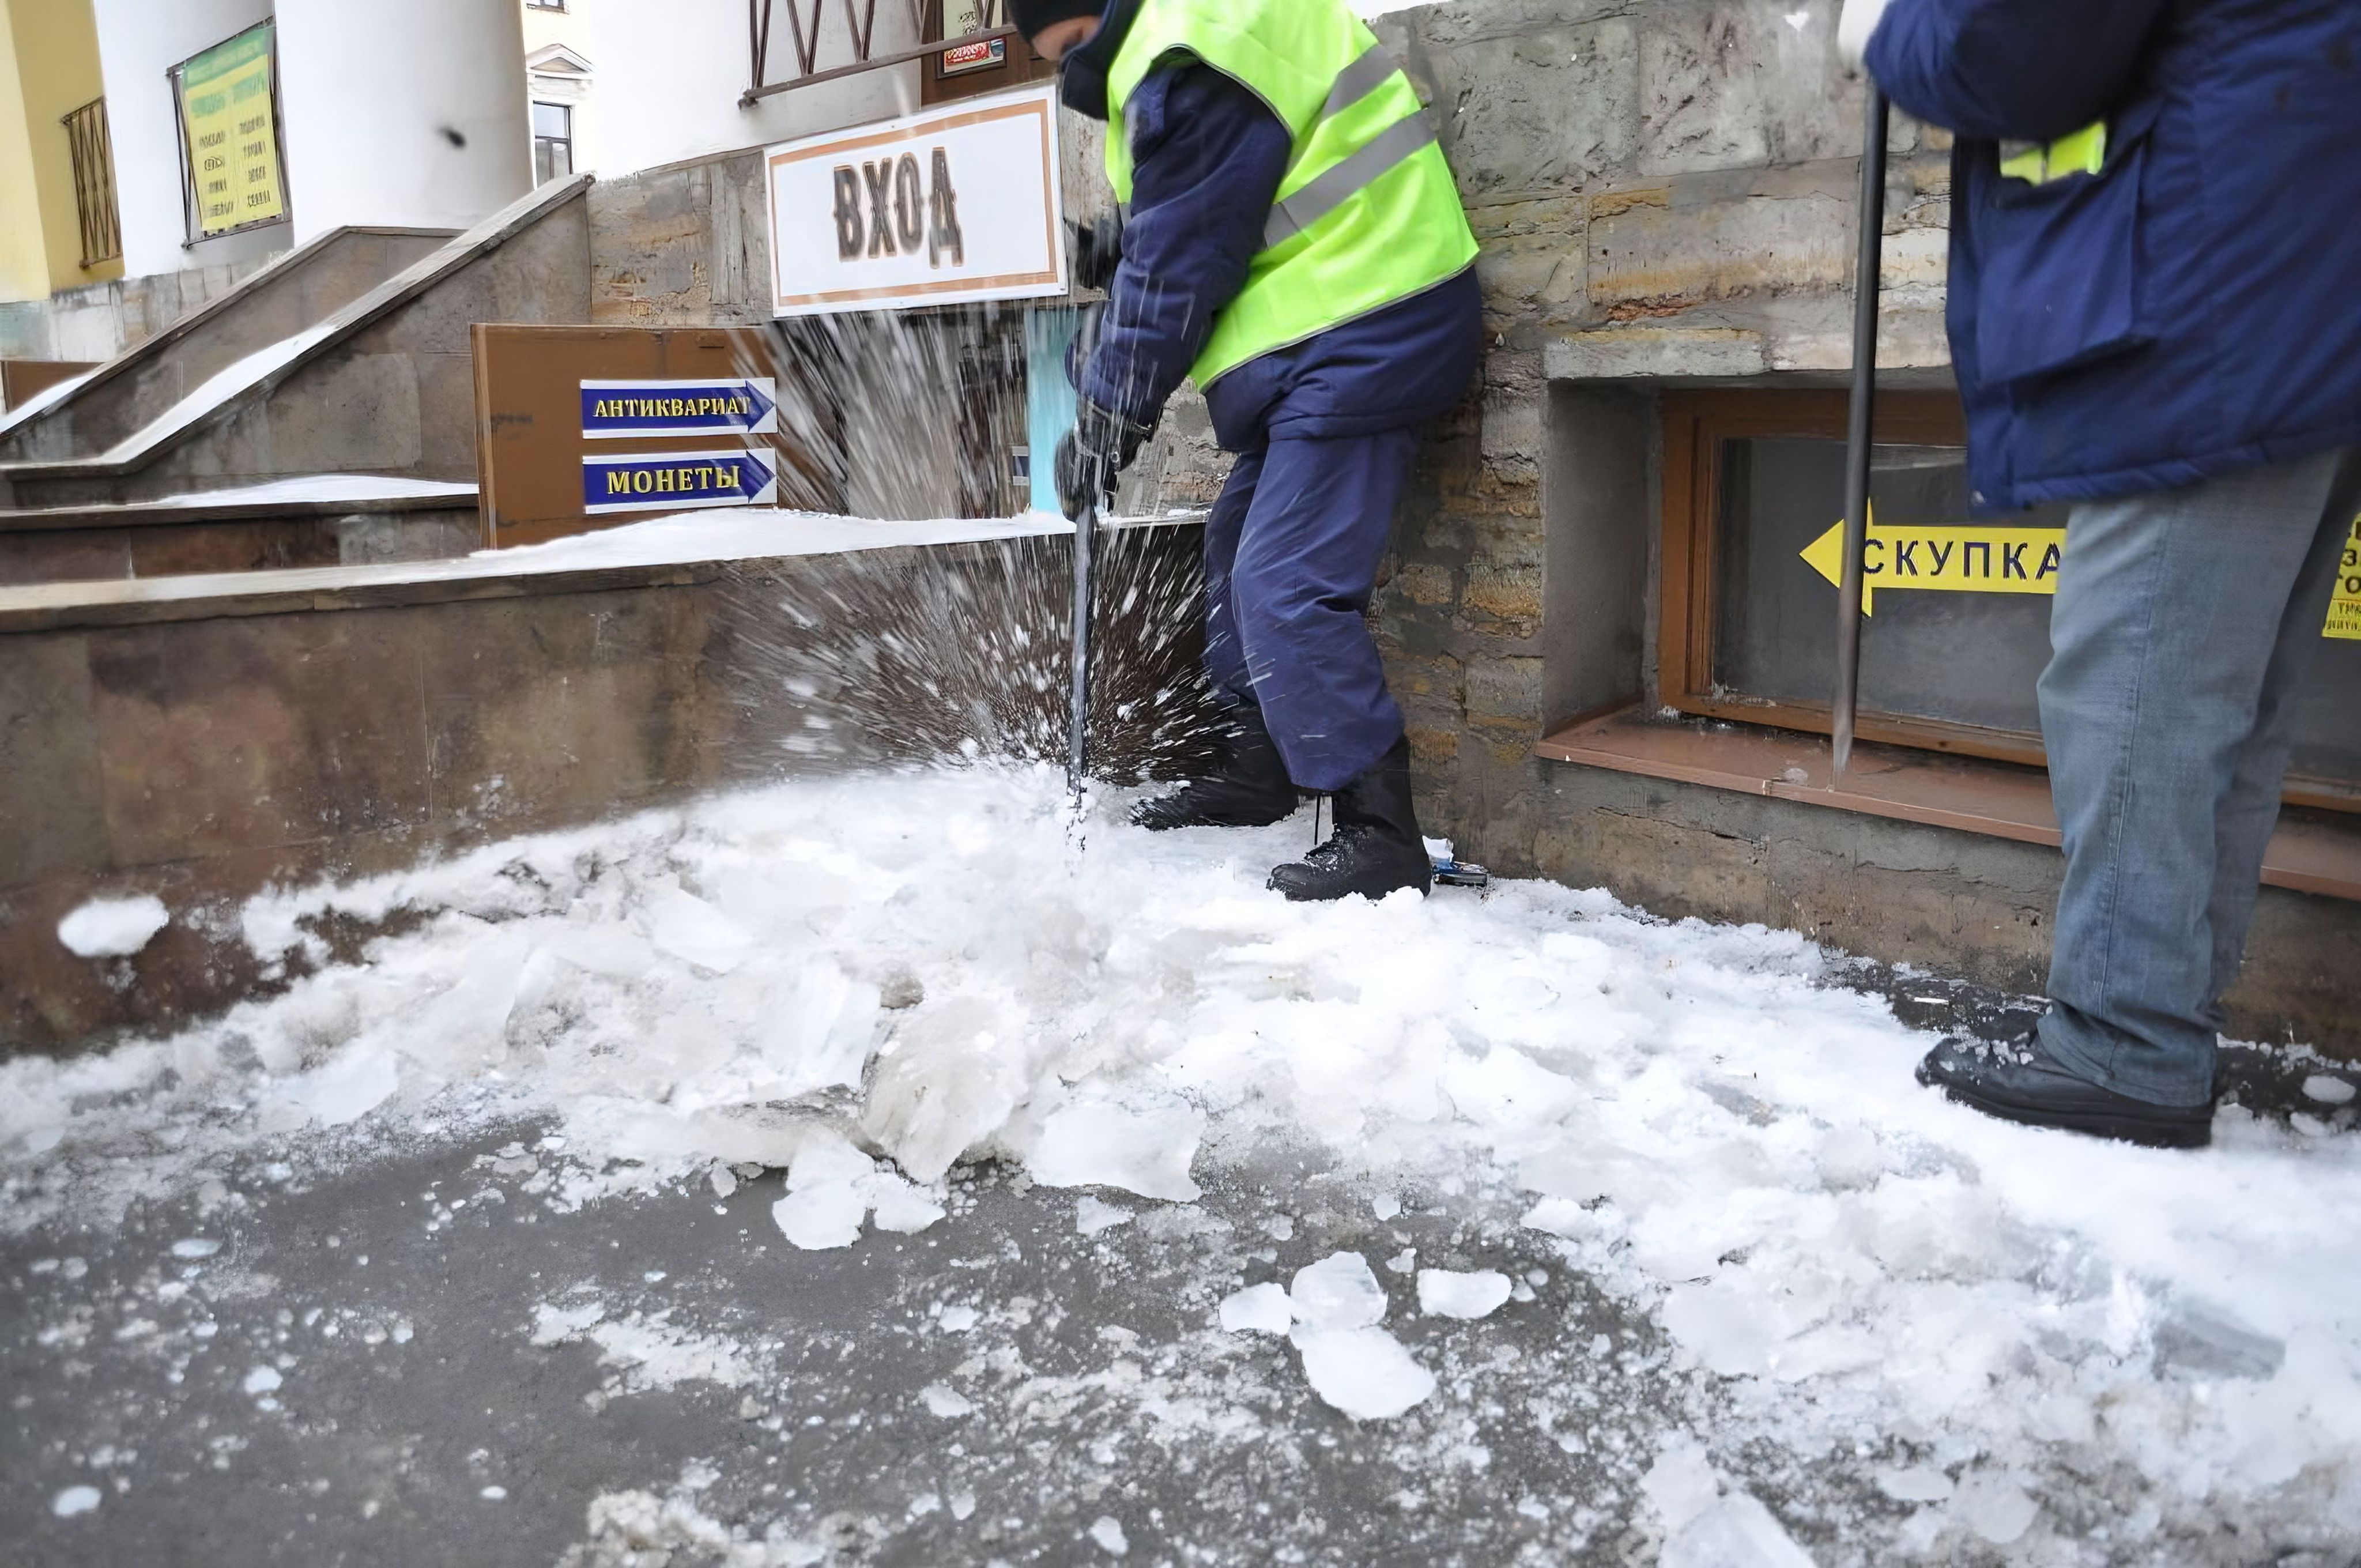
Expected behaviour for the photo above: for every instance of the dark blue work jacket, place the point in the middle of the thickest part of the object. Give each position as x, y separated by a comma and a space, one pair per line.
2194, 307
1207, 156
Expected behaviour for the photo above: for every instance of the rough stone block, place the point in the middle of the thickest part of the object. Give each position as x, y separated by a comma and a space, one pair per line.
1741, 85
356, 411
1505, 691
1721, 236
1548, 111
1617, 352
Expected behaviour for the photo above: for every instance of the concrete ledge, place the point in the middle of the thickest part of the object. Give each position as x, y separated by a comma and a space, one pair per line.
2312, 851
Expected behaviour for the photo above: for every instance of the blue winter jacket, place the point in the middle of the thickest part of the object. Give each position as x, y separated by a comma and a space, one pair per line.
1207, 156
2194, 307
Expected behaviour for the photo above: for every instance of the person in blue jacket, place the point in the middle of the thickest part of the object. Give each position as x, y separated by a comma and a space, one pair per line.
2154, 314
1324, 431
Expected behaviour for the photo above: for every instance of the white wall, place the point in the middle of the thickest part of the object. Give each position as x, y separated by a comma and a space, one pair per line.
669, 89
373, 94
139, 42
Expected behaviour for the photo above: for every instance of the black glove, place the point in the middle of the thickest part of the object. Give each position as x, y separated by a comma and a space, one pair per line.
1092, 454
1097, 250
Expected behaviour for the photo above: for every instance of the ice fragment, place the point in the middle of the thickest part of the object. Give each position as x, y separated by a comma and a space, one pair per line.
1364, 1372
74, 1500
1337, 1292
1443, 1293
1258, 1309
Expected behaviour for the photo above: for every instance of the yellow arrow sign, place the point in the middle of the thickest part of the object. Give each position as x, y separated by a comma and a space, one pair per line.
1966, 558
2345, 609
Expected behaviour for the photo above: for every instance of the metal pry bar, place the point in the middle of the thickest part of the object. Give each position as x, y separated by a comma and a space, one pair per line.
1078, 712
1857, 422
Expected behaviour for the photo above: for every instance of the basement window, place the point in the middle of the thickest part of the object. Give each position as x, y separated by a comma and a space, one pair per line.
1957, 628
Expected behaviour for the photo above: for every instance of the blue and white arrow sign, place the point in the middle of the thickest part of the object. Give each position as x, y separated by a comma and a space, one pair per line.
739, 405
670, 481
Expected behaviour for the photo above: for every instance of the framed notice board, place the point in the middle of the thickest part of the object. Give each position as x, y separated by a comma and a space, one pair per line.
584, 427
226, 98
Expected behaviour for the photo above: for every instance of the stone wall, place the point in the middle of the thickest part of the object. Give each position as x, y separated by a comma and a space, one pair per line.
99, 321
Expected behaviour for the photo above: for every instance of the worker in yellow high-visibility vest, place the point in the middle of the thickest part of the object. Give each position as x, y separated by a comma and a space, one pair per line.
1294, 242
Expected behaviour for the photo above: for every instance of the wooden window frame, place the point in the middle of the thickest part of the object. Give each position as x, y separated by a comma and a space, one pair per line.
1695, 424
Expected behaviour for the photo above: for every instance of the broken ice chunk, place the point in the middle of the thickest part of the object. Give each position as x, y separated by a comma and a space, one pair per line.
1337, 1292
1093, 1215
1109, 1535
828, 1156
1364, 1372
2325, 1089
1098, 1141
344, 1089
1735, 1532
1258, 1309
74, 1500
1993, 1506
821, 1029
1384, 1206
686, 927
2199, 1341
1444, 1293
824, 1215
951, 1084
945, 1401
261, 1380
195, 1246
901, 1207
1919, 1483
958, 1319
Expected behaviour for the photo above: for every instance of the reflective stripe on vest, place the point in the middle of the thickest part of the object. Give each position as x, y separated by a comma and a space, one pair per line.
1328, 190
1367, 212
2079, 152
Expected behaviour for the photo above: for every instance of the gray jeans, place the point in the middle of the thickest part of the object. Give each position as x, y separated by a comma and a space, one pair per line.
2182, 628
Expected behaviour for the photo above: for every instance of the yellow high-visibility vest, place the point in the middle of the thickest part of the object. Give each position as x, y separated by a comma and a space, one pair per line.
1366, 213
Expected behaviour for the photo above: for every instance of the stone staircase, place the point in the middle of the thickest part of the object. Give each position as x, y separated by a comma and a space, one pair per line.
323, 411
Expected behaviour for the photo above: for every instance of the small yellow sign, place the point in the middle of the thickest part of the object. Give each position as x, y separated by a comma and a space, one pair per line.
225, 112
1981, 560
1962, 559
2345, 609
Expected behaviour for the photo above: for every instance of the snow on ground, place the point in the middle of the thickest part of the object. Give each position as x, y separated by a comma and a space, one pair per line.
867, 980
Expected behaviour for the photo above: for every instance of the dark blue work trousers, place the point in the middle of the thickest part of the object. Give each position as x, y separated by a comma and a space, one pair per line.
1292, 553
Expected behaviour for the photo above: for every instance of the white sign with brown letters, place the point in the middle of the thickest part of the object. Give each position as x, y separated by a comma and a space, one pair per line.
954, 205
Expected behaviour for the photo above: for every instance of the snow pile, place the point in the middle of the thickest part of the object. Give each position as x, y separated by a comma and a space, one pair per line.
113, 928
928, 968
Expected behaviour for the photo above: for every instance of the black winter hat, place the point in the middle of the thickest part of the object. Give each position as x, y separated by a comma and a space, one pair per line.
1031, 15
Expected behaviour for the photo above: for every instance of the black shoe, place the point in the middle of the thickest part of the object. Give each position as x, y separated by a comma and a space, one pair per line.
2018, 1080
1248, 787
1376, 848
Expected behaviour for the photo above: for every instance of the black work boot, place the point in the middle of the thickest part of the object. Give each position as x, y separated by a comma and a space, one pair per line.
1247, 787
2019, 1081
1376, 848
